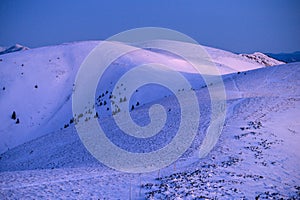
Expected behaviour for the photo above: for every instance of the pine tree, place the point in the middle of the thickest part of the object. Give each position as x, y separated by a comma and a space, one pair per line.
14, 115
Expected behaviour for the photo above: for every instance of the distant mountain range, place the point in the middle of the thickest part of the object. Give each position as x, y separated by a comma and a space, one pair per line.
14, 48
286, 57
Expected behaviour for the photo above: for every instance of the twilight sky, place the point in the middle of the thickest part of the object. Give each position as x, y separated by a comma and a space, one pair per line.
241, 26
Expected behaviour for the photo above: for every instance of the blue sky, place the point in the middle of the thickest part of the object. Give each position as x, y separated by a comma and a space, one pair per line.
235, 25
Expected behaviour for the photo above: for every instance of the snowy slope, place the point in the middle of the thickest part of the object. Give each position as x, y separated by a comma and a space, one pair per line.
229, 62
257, 155
226, 62
37, 85
42, 159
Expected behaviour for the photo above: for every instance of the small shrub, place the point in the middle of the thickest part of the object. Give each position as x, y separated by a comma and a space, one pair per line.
18, 121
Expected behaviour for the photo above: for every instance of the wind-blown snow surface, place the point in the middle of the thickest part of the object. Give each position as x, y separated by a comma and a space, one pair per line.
256, 156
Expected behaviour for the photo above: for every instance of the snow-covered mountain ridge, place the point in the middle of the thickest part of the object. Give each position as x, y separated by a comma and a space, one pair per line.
43, 79
256, 157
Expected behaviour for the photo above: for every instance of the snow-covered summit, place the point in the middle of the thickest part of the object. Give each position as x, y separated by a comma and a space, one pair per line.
262, 59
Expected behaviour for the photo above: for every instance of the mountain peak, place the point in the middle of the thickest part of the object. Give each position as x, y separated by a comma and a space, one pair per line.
262, 59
